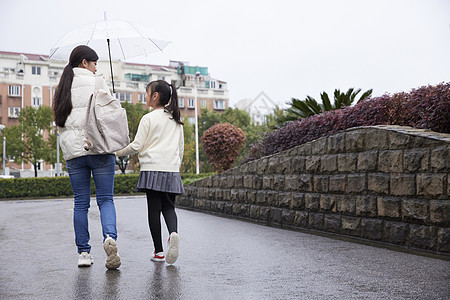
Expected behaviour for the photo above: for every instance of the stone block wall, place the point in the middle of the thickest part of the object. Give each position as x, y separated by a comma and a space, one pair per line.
383, 183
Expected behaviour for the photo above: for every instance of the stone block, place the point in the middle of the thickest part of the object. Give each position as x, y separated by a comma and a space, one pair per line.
267, 181
399, 140
346, 204
431, 184
395, 232
264, 213
390, 161
376, 139
416, 160
305, 183
403, 184
415, 210
242, 195
291, 182
262, 166
251, 196
320, 183
367, 161
336, 143
261, 197
274, 161
327, 203
328, 164
223, 182
298, 201
216, 181
248, 181
298, 164
388, 207
304, 149
228, 208
208, 182
347, 162
315, 221
312, 202
319, 146
301, 218
366, 205
272, 198
284, 199
252, 167
354, 141
338, 183
254, 212
275, 215
245, 210
351, 226
220, 206
230, 182
278, 182
239, 181
378, 183
312, 164
234, 195
372, 229
443, 240
284, 166
440, 212
257, 182
287, 217
440, 159
356, 183
422, 237
332, 223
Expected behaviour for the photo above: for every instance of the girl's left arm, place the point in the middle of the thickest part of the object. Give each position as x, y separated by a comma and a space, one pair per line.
181, 143
139, 140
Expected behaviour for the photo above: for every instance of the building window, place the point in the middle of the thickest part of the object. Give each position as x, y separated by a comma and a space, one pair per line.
190, 103
13, 112
35, 70
212, 84
142, 98
191, 120
36, 101
14, 90
124, 97
203, 103
219, 104
181, 102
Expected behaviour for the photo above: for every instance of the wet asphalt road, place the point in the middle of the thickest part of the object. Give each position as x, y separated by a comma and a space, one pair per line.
220, 258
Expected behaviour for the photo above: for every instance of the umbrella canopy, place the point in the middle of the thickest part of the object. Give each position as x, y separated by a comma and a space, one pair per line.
113, 39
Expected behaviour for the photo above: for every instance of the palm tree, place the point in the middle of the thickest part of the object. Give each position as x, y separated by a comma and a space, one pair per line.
303, 108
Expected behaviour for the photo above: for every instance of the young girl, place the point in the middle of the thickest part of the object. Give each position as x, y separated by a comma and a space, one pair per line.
160, 144
70, 105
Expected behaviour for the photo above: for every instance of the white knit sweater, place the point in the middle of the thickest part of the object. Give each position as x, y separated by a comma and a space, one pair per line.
159, 142
72, 134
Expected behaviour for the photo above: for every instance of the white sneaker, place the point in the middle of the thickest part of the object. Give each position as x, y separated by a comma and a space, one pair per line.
85, 259
158, 256
172, 251
112, 257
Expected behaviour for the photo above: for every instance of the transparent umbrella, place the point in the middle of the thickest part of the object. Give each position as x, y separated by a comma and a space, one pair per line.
113, 39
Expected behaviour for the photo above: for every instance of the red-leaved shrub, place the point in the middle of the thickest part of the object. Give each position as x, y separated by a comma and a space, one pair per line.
427, 107
222, 143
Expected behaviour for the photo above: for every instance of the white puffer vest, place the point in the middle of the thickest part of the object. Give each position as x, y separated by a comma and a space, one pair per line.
72, 134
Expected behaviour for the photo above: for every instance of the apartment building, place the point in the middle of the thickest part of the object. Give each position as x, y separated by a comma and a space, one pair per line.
31, 79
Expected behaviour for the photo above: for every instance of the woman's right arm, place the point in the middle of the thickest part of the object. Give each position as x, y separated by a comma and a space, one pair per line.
139, 140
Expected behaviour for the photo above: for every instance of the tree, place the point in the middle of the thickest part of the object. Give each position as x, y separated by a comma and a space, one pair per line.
135, 112
26, 141
222, 143
303, 108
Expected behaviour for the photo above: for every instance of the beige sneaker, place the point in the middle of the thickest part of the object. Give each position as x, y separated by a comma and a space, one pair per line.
112, 257
85, 259
172, 251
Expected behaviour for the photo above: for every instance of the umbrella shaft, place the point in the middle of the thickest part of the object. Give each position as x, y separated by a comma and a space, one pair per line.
110, 64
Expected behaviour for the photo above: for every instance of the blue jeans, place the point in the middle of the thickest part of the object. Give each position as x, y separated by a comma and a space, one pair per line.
102, 168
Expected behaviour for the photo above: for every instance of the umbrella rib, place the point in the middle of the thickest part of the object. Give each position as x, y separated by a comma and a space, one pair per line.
121, 49
92, 34
144, 36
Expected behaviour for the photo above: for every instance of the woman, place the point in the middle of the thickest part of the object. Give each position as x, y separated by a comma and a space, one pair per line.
70, 105
160, 144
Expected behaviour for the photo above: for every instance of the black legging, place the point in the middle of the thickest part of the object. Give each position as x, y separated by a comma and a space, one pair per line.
158, 202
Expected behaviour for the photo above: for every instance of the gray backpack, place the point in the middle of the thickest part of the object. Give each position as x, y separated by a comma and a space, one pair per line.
106, 128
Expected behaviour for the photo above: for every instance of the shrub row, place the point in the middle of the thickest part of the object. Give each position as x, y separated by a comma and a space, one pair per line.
60, 186
427, 107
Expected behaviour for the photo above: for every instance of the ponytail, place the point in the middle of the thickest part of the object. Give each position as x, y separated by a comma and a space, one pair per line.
62, 102
168, 97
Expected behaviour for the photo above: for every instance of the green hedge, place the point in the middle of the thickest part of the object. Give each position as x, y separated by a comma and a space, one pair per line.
60, 186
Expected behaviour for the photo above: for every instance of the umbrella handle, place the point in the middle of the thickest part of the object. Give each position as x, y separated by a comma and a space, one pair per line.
110, 64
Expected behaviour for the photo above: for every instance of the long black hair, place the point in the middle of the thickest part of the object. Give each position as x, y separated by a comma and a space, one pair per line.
168, 97
62, 102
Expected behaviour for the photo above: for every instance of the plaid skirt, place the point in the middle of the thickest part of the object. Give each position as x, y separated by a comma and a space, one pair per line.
169, 182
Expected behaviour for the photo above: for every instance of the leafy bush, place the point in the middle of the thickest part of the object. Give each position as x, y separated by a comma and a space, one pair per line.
427, 107
221, 144
60, 186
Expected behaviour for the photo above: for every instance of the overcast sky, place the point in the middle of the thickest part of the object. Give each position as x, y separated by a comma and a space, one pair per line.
286, 48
